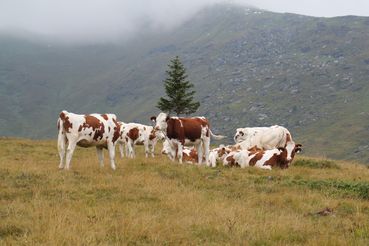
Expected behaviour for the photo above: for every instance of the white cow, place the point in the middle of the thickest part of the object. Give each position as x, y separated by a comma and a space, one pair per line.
265, 138
99, 130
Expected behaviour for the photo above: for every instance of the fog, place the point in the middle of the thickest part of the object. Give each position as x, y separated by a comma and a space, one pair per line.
116, 20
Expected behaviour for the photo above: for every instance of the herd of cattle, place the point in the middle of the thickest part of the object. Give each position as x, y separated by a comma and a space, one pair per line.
263, 147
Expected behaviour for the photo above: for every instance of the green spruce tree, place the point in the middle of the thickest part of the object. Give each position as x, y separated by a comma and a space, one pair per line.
178, 89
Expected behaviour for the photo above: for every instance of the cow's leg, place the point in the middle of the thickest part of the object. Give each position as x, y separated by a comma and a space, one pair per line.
111, 149
61, 149
121, 149
199, 153
127, 148
206, 144
180, 152
100, 156
71, 147
152, 149
147, 150
130, 148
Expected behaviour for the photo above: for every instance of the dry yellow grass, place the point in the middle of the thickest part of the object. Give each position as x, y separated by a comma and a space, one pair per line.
156, 202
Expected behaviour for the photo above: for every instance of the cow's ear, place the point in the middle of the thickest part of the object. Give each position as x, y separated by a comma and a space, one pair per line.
281, 148
153, 118
298, 148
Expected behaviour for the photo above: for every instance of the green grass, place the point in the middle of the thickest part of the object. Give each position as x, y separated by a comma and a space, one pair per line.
156, 202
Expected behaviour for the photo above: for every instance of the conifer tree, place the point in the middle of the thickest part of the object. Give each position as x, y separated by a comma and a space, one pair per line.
178, 89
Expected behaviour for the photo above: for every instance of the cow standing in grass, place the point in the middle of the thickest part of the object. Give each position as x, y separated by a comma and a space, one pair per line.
99, 130
133, 134
179, 132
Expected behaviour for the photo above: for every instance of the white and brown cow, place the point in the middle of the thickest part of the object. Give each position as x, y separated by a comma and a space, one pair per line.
263, 137
264, 159
137, 134
218, 154
190, 154
179, 132
99, 130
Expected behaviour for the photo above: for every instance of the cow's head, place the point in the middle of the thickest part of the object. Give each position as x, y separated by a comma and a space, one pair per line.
288, 153
169, 150
160, 122
240, 135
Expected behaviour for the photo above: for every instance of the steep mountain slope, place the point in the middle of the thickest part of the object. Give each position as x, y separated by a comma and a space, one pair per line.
249, 67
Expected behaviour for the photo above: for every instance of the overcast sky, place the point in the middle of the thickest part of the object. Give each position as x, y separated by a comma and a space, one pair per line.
109, 20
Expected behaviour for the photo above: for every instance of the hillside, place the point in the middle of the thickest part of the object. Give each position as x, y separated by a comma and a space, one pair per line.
250, 68
154, 201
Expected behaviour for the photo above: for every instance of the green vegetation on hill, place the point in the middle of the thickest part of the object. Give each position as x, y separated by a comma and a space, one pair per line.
155, 201
249, 67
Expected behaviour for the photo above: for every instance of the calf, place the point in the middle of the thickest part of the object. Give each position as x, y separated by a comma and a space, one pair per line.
190, 154
186, 131
137, 134
218, 154
99, 130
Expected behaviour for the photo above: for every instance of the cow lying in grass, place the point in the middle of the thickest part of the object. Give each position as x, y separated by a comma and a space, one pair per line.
264, 159
99, 130
218, 154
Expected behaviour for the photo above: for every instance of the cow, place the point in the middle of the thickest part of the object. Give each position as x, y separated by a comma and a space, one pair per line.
137, 134
264, 137
189, 153
243, 134
99, 130
218, 154
186, 131
264, 159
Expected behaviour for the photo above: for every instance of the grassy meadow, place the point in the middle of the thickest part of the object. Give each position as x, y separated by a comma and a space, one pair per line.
156, 202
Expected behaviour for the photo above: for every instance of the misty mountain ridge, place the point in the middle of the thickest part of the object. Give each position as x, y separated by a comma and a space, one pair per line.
250, 67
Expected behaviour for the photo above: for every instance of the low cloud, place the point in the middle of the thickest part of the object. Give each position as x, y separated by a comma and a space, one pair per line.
115, 20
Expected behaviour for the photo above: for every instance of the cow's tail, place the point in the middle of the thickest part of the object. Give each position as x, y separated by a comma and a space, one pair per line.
216, 137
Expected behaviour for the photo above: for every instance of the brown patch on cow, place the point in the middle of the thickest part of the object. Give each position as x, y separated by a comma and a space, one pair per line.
96, 125
99, 133
66, 123
254, 149
231, 161
273, 161
117, 133
152, 135
90, 134
80, 128
133, 133
109, 128
257, 157
105, 116
192, 157
91, 121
